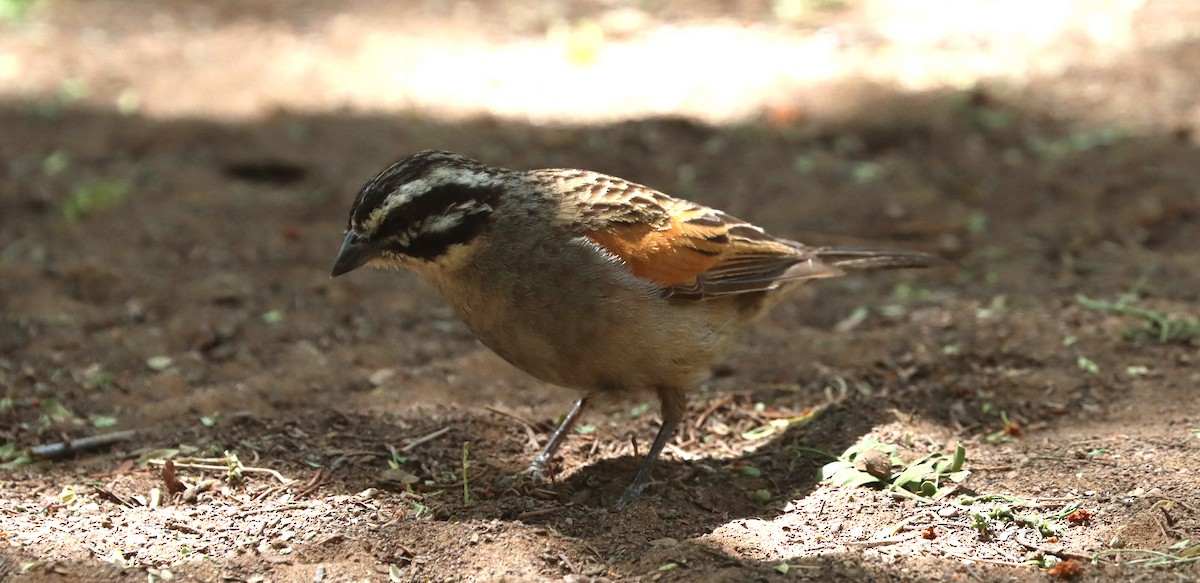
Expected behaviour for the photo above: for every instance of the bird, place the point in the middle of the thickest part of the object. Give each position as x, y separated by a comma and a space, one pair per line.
585, 280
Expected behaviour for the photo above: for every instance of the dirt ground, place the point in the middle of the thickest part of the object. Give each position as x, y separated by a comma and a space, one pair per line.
167, 273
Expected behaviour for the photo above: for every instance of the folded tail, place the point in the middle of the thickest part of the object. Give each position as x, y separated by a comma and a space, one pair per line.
856, 259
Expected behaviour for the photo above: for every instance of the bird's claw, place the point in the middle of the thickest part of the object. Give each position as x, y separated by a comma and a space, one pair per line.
629, 496
534, 474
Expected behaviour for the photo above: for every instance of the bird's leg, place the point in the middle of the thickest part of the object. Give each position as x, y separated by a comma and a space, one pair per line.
543, 459
673, 403
536, 470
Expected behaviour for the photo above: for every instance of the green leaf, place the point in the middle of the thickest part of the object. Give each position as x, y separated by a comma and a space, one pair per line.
158, 454
758, 433
828, 470
960, 457
54, 409
852, 477
16, 462
94, 196
15, 10
913, 473
1086, 365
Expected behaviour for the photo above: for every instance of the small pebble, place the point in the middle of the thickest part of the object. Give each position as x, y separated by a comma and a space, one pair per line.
399, 476
159, 363
876, 463
381, 376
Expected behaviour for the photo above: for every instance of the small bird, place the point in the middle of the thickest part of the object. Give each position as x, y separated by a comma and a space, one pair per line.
584, 280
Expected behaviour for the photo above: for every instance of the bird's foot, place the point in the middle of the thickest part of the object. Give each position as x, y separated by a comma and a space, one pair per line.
631, 494
534, 475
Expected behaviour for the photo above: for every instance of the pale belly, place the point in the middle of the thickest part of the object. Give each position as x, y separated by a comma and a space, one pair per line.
594, 329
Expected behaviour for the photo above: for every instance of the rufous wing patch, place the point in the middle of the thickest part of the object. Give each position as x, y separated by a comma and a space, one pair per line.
670, 256
692, 251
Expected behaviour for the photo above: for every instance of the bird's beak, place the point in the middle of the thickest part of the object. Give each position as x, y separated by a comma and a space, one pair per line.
354, 254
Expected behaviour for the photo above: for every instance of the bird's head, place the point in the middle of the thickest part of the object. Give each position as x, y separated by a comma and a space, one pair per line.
423, 210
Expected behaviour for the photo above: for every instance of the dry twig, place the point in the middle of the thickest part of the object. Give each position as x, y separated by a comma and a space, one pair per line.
530, 431
425, 439
64, 448
247, 469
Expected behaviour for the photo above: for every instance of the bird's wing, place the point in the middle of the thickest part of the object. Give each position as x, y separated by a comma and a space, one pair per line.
692, 251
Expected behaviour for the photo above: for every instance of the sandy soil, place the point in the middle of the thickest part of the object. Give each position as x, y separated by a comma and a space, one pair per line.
170, 212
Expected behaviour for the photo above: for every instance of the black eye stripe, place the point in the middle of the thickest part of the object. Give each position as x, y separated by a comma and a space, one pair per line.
433, 203
431, 245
